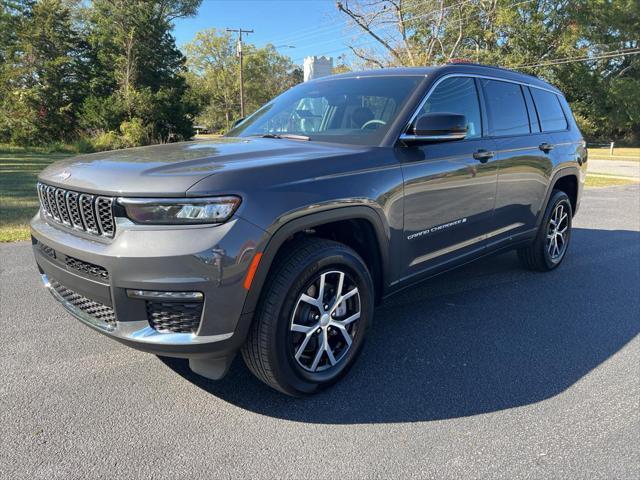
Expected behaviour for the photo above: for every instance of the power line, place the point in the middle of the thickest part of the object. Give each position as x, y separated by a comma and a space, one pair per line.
292, 37
562, 61
455, 23
310, 33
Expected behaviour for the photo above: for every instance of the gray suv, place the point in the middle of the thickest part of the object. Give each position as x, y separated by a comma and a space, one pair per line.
278, 239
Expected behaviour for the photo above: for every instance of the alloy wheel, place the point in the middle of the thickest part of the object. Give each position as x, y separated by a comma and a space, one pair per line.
557, 232
325, 321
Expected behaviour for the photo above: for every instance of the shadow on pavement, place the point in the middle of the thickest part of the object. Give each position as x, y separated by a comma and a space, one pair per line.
487, 337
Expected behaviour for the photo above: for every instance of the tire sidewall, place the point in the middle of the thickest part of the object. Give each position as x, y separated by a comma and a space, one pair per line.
557, 198
283, 363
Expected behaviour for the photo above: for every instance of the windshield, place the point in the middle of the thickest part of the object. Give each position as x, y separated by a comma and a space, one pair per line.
347, 110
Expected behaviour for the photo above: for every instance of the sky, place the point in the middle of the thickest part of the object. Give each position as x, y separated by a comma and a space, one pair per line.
313, 27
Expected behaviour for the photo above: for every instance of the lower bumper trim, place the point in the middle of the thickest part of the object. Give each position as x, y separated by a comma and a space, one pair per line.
135, 332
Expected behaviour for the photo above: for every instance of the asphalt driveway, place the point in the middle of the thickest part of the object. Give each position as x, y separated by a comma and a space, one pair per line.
487, 372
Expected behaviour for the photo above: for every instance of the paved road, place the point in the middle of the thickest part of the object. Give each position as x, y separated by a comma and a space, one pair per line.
621, 168
487, 372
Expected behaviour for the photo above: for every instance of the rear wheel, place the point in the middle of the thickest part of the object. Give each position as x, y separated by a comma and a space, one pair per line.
312, 318
552, 240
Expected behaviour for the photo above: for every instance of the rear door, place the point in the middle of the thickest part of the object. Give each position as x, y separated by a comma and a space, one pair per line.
523, 164
450, 186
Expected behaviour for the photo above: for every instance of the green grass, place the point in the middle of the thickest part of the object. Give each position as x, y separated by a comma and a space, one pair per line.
604, 181
19, 169
629, 154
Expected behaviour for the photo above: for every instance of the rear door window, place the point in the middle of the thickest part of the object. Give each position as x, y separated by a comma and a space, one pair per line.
549, 110
506, 108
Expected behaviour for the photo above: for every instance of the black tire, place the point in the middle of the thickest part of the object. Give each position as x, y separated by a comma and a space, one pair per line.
538, 256
269, 351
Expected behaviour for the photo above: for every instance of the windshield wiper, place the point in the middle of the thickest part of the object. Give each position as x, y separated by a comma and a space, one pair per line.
287, 136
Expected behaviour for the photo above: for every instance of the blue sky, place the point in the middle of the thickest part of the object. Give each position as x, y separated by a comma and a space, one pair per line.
314, 27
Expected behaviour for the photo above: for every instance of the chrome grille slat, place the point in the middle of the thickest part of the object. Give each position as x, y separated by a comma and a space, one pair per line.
45, 199
41, 197
62, 206
74, 210
105, 219
53, 206
81, 211
88, 214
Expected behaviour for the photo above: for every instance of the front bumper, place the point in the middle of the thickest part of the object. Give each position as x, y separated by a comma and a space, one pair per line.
211, 260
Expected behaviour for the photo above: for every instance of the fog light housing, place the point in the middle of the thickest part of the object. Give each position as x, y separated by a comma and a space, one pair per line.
165, 296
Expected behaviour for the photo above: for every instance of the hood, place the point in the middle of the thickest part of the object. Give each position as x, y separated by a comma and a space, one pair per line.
169, 170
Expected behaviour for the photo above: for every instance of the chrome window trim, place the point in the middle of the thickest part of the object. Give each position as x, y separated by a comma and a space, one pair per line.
172, 200
464, 75
453, 136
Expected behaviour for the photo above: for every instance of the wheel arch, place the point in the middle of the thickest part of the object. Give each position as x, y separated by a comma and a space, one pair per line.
569, 185
568, 179
320, 224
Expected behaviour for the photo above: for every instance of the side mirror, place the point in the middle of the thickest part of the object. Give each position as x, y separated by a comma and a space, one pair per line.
238, 122
436, 127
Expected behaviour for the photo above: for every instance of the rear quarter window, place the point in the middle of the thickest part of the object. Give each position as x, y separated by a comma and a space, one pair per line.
549, 110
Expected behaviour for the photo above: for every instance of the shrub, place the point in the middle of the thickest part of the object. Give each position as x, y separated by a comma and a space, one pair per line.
84, 145
107, 141
134, 133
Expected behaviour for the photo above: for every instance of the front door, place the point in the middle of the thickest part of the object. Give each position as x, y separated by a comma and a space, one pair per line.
449, 187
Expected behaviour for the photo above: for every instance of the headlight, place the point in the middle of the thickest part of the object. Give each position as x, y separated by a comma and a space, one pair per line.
180, 211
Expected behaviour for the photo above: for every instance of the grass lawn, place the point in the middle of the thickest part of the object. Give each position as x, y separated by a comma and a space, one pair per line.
604, 181
632, 154
18, 199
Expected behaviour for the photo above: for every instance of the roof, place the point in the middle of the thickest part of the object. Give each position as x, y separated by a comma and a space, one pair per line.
469, 68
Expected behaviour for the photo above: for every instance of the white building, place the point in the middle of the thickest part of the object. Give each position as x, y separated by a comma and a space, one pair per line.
316, 67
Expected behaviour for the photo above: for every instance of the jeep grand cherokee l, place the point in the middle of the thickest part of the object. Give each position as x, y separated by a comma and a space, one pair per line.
278, 239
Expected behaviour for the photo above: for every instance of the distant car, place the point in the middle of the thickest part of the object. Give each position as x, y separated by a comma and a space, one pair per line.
201, 129
278, 239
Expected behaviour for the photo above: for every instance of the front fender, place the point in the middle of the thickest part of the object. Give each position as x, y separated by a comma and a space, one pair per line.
281, 230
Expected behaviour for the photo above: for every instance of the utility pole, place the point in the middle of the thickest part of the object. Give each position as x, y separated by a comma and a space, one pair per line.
240, 31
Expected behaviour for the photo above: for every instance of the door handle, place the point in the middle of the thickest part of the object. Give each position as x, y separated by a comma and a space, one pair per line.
546, 147
483, 155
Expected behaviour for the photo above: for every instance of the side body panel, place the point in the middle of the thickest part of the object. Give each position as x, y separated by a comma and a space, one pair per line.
524, 172
449, 201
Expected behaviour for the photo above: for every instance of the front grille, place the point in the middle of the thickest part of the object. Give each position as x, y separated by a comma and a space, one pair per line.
87, 268
174, 317
81, 211
97, 310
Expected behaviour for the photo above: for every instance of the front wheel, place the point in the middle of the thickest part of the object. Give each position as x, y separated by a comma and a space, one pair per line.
552, 240
312, 318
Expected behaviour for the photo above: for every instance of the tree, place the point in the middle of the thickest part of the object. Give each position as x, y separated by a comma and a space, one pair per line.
138, 70
531, 36
43, 72
213, 77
